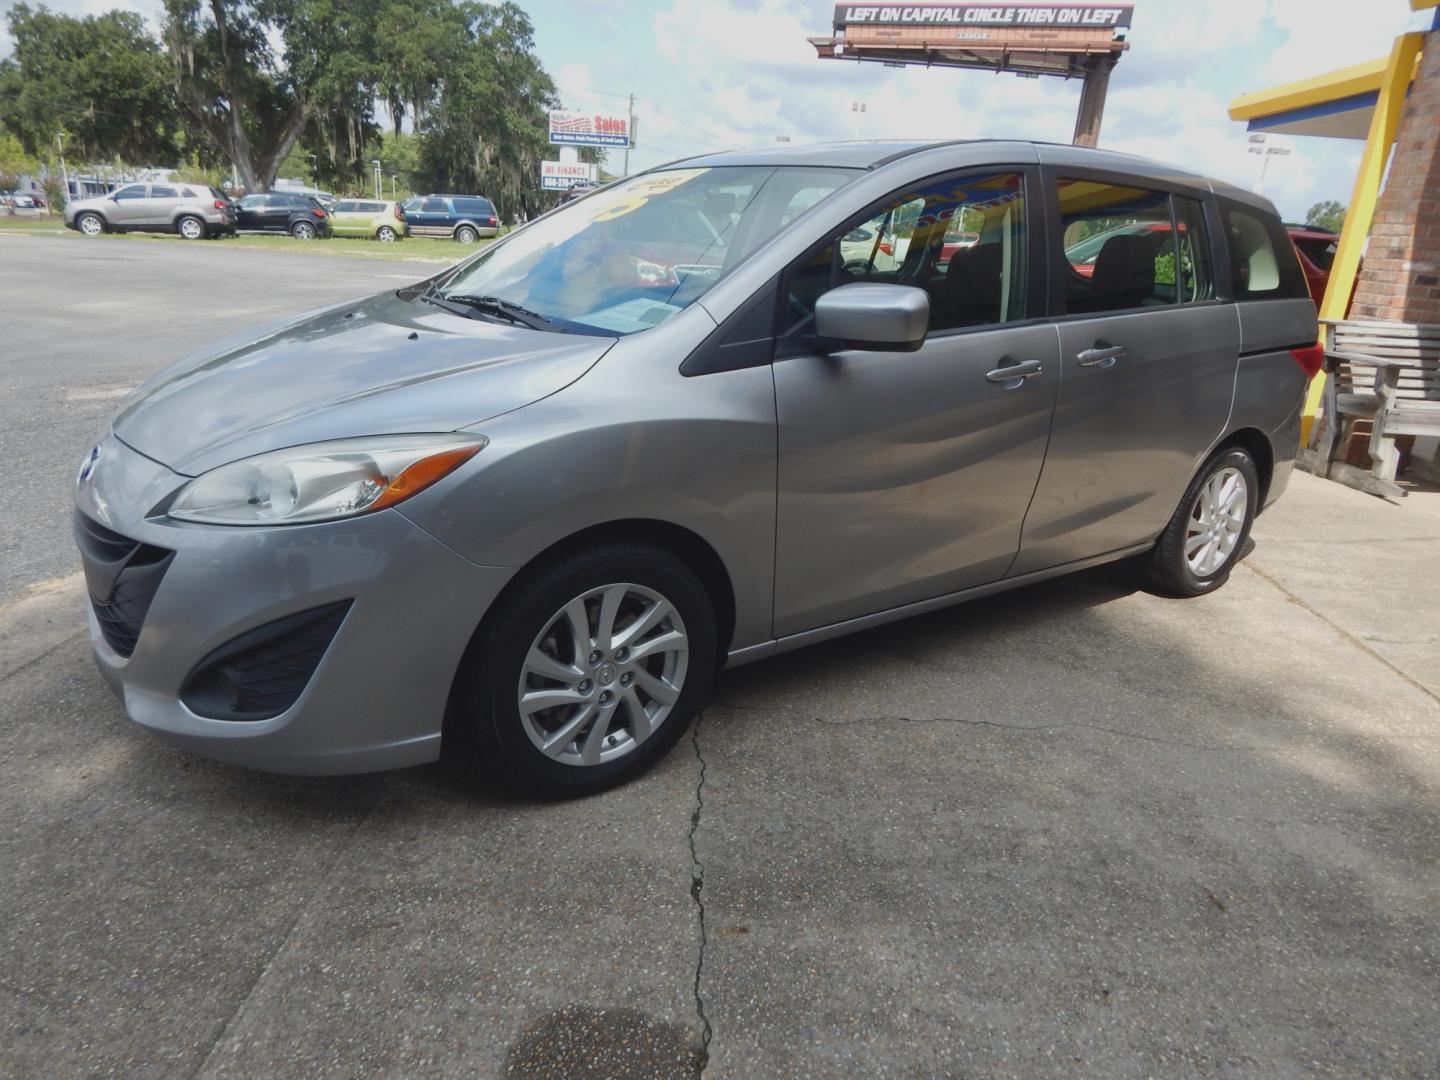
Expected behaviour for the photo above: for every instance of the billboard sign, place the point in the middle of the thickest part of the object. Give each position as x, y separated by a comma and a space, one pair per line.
563, 175
588, 129
963, 15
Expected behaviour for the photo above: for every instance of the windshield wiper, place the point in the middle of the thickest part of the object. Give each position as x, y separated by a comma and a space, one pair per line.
505, 309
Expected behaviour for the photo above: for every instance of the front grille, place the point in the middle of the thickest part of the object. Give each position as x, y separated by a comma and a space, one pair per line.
262, 673
122, 576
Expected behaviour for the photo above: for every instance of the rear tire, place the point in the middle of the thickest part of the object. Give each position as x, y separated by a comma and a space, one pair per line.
386, 235
190, 227
466, 235
1206, 535
90, 224
302, 230
530, 646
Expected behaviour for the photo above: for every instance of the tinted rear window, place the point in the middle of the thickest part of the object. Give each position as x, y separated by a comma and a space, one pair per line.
474, 206
1263, 263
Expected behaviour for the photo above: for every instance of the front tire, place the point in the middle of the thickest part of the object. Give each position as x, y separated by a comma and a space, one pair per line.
90, 224
190, 227
302, 230
1207, 533
466, 235
588, 670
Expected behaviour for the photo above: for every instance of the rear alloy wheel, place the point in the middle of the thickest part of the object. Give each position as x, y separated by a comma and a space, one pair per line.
191, 228
386, 235
466, 235
302, 230
90, 224
1207, 533
587, 672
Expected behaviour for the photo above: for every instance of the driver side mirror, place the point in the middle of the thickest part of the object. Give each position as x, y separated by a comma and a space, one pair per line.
875, 317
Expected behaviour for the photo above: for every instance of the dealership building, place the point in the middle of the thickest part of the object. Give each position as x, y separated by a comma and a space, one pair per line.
1389, 250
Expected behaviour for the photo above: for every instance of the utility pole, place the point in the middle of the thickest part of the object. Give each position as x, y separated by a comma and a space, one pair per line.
64, 172
629, 134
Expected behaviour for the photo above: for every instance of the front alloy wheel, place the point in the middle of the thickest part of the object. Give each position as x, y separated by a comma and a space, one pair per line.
90, 224
586, 671
603, 674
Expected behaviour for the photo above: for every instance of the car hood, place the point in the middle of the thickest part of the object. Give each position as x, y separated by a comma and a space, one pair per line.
376, 366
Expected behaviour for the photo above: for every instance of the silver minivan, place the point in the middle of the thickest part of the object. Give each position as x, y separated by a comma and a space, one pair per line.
524, 511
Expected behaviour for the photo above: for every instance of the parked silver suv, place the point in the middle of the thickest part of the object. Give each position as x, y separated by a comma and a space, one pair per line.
192, 210
525, 510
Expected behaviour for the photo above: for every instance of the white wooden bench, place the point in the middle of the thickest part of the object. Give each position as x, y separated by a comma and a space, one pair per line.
1387, 372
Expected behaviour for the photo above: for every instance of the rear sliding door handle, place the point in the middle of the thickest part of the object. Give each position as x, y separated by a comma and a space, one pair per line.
1103, 355
1012, 376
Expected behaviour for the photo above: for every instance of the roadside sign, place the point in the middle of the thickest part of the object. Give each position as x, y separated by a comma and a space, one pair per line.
589, 129
563, 175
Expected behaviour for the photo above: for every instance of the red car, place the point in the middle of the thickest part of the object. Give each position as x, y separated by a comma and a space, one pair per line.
1316, 248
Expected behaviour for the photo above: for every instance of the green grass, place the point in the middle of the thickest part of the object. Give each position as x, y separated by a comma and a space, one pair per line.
412, 249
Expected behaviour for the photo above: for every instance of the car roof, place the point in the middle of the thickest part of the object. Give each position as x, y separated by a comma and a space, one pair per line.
877, 153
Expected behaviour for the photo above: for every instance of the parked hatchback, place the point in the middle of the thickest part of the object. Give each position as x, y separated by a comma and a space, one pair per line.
522, 512
466, 218
369, 218
301, 216
192, 210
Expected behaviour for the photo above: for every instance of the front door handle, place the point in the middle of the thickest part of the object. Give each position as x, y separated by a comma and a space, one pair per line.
1012, 375
1102, 355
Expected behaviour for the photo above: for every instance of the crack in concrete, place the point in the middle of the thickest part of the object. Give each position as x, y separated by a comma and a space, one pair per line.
1117, 732
697, 887
1359, 643
1121, 733
302, 908
26, 665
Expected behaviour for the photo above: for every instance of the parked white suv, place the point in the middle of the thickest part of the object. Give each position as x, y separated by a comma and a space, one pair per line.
192, 210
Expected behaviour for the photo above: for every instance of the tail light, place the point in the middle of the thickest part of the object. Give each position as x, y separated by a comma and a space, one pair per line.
399, 213
221, 204
1311, 359
489, 221
886, 248
318, 213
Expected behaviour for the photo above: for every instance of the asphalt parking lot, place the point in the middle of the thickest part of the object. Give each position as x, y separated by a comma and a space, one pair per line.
1075, 830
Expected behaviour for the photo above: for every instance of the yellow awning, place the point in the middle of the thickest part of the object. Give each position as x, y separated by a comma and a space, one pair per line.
1339, 104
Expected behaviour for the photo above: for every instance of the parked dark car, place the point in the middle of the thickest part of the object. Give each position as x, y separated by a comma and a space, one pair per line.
301, 216
465, 217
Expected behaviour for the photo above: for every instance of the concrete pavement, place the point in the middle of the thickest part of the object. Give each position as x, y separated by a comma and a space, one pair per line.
1076, 830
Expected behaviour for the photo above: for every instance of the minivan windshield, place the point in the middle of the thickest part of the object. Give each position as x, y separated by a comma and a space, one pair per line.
631, 256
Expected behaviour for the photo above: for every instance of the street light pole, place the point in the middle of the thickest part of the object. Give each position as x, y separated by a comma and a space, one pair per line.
378, 192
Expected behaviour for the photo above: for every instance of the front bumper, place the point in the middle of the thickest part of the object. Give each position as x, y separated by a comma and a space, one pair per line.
376, 699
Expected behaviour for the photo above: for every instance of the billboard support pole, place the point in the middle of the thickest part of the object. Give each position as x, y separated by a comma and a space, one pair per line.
1092, 101
629, 136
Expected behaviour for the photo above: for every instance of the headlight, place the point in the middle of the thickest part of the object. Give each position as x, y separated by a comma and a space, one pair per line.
322, 481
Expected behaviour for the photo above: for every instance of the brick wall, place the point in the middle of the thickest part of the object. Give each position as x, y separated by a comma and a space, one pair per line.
1401, 276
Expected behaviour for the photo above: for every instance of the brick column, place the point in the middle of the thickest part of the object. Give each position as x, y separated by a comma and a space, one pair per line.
1401, 276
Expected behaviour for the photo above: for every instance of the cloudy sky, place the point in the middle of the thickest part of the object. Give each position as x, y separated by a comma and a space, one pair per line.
719, 74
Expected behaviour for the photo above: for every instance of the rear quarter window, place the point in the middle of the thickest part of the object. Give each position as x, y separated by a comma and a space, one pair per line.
1263, 263
474, 207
